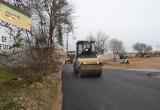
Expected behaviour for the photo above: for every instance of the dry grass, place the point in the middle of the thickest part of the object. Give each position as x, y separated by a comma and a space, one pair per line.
153, 62
21, 95
59, 97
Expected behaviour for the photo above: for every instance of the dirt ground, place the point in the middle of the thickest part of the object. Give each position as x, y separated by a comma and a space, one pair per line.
135, 63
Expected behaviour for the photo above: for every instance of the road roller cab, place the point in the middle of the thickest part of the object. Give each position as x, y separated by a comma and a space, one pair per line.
86, 62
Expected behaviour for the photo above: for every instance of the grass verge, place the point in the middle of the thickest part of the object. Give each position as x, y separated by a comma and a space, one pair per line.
59, 97
21, 95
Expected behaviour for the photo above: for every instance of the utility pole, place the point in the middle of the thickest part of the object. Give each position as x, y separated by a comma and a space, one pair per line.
67, 44
158, 46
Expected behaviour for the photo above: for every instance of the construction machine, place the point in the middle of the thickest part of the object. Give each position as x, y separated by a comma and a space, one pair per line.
86, 62
70, 56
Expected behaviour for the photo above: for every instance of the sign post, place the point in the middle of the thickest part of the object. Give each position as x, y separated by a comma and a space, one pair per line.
14, 16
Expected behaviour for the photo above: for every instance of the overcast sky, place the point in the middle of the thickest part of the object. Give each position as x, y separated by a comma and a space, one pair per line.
128, 20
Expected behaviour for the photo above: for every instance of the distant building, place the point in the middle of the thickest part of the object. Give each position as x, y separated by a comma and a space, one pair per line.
131, 55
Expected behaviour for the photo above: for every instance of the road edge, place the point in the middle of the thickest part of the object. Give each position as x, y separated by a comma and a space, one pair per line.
59, 99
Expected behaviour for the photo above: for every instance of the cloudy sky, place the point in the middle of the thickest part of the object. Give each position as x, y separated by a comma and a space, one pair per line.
128, 20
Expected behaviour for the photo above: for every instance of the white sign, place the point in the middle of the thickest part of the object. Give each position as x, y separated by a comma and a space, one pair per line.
6, 39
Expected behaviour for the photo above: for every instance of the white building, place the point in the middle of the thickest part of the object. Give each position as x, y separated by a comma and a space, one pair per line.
6, 40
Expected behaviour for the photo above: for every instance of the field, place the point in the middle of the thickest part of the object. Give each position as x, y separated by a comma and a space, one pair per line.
135, 63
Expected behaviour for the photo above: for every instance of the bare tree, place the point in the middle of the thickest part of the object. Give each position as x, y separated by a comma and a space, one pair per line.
51, 19
90, 37
142, 48
116, 46
100, 41
54, 20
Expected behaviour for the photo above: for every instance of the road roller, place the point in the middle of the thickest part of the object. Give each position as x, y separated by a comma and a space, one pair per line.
86, 62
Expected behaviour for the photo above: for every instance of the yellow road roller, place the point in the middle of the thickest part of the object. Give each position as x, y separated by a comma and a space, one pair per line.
86, 62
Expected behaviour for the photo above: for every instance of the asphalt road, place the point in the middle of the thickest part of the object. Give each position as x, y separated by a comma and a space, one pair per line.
115, 90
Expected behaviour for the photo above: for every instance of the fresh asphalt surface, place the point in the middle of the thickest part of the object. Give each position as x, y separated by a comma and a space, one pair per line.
115, 90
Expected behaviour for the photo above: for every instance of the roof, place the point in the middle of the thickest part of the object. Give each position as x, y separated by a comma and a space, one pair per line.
71, 51
85, 41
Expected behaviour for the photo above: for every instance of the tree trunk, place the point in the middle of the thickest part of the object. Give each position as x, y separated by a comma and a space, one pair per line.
114, 59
